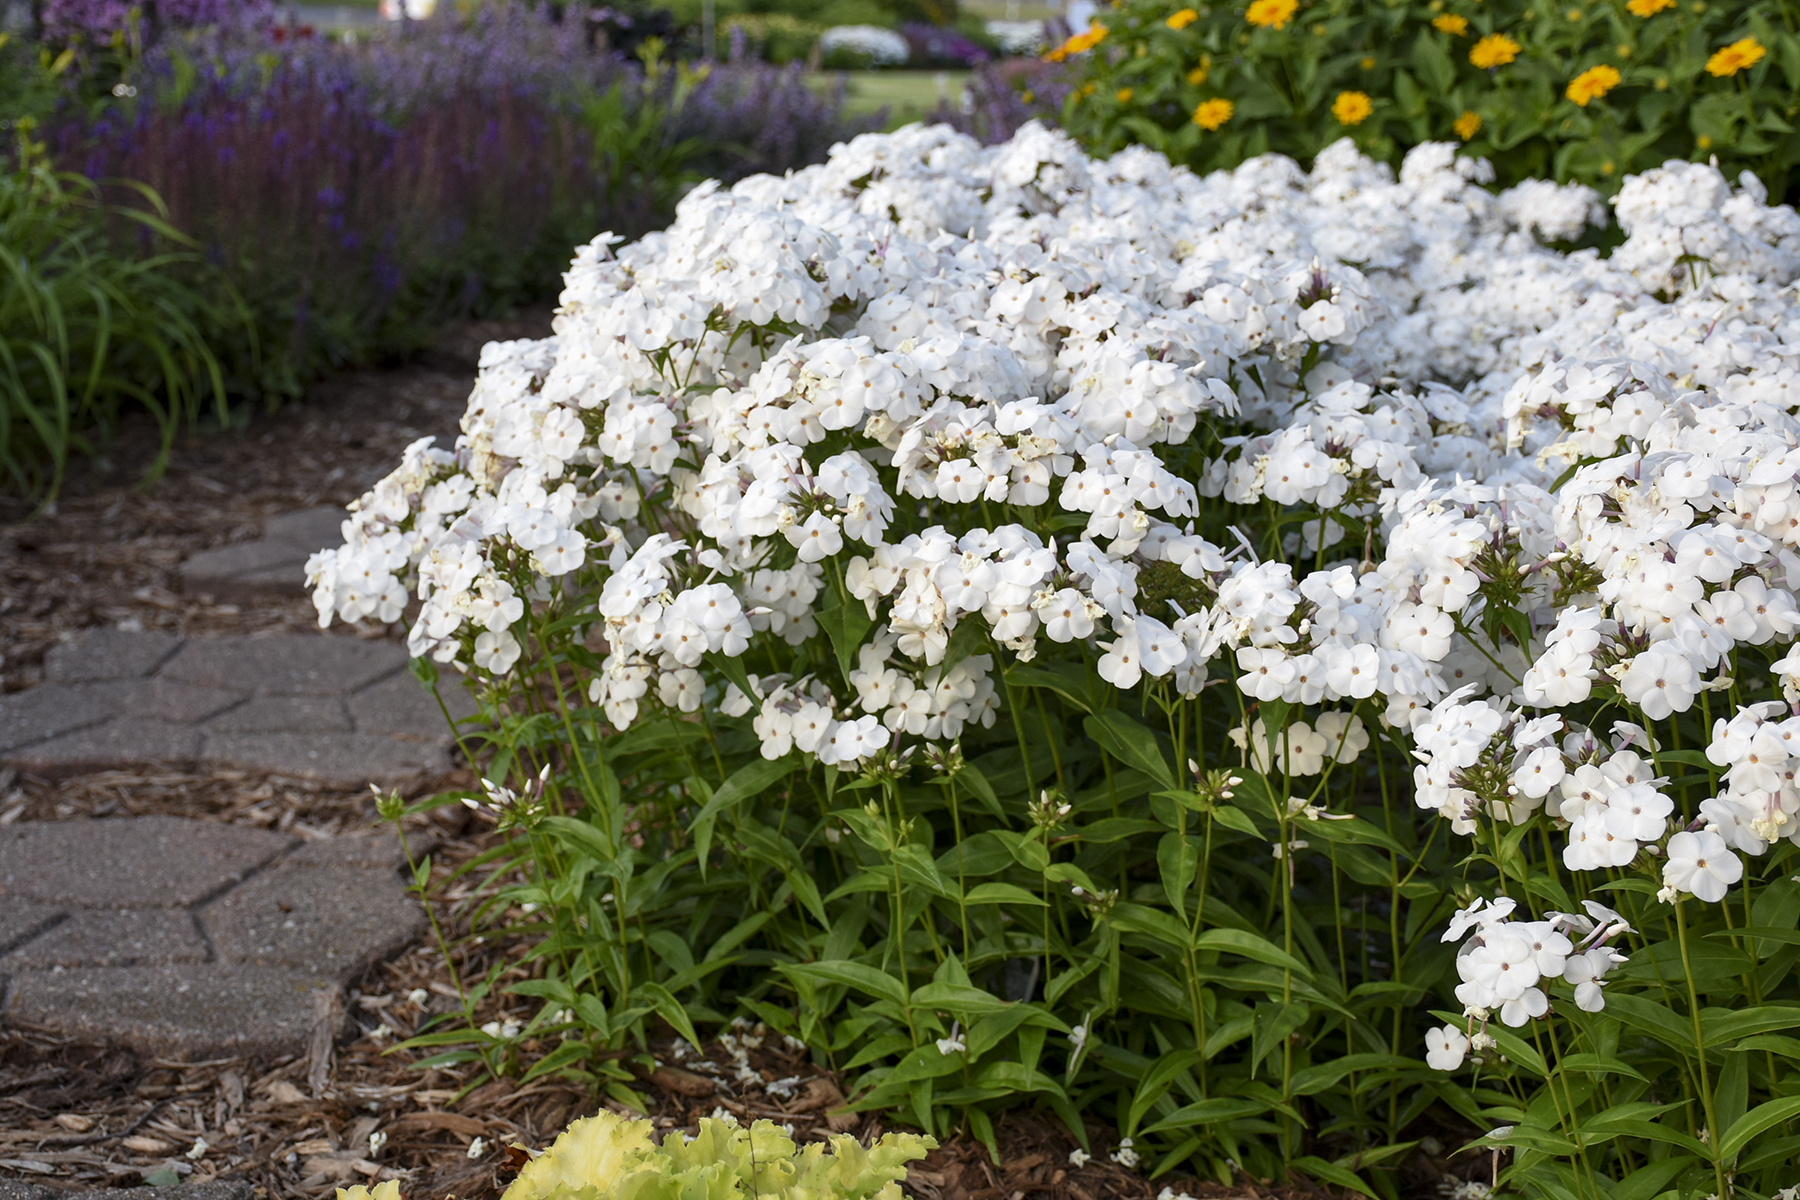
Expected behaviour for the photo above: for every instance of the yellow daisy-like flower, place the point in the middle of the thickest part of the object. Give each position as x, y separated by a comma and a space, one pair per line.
1213, 113
1592, 84
1080, 43
1188, 16
1494, 50
1647, 8
1368, 63
1271, 14
1352, 108
1124, 95
1451, 24
1467, 125
1197, 76
1739, 56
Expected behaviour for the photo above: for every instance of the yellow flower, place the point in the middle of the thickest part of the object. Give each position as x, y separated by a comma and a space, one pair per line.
1272, 14
1738, 56
1188, 16
1453, 25
1647, 8
1079, 43
1592, 84
1574, 14
1124, 95
1367, 64
1704, 142
1494, 50
1213, 113
1197, 76
1467, 125
1352, 108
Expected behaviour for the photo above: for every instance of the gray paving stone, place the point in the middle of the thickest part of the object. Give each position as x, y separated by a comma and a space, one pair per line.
22, 919
283, 714
158, 699
130, 862
41, 713
216, 1189
401, 704
335, 919
108, 654
288, 665
97, 938
191, 1009
273, 563
336, 760
118, 743
14, 1189
308, 529
145, 931
375, 848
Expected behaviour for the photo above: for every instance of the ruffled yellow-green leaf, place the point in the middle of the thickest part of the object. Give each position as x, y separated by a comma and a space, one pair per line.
383, 1191
608, 1157
597, 1152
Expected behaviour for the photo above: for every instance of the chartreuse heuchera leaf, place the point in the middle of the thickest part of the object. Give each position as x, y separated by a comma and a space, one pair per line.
610, 1157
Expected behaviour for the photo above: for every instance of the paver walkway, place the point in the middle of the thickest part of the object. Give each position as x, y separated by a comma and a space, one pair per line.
245, 572
337, 711
191, 939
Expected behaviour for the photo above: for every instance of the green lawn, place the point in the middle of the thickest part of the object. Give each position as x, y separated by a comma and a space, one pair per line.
908, 95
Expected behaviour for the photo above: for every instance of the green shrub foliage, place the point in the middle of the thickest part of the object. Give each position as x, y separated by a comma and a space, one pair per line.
1563, 89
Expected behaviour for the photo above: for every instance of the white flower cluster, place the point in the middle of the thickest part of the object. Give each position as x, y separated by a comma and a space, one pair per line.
932, 403
1506, 964
884, 47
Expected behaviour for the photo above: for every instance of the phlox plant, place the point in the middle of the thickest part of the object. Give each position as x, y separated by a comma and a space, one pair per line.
1283, 662
1576, 90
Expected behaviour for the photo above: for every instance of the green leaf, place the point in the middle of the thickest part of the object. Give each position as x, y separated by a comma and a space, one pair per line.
1763, 1117
1131, 743
846, 623
1216, 1111
1065, 679
1313, 1165
1002, 893
1178, 862
1249, 945
751, 779
1327, 1074
1155, 1084
961, 1001
863, 978
1598, 1064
